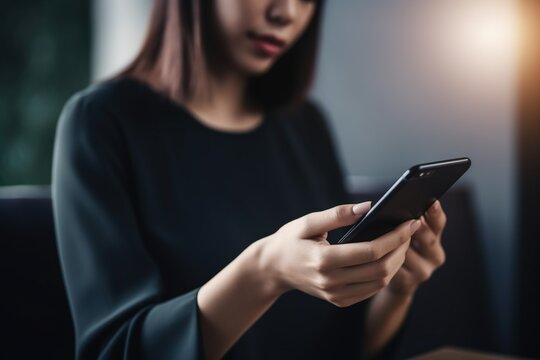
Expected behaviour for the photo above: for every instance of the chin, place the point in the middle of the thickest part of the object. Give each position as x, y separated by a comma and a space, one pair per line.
256, 66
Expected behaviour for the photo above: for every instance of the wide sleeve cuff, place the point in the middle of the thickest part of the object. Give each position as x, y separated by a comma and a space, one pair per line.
171, 330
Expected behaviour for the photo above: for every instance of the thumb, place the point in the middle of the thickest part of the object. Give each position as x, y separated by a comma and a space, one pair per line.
319, 222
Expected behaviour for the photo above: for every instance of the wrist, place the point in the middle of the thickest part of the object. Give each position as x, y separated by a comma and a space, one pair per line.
400, 296
264, 269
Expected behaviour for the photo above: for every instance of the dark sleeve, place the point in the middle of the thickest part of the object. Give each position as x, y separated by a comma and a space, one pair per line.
113, 284
327, 154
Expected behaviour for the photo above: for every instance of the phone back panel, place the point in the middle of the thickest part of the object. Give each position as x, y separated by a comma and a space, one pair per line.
408, 198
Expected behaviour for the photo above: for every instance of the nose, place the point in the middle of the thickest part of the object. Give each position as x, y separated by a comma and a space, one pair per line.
282, 12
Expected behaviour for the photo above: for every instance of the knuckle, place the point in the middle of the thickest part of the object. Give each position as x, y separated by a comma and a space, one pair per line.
424, 275
335, 214
293, 226
333, 299
341, 303
338, 301
380, 283
303, 223
405, 235
341, 212
441, 259
324, 283
371, 252
403, 259
286, 227
384, 269
332, 214
444, 218
321, 262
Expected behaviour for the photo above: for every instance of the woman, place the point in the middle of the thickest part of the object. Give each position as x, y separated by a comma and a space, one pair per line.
194, 194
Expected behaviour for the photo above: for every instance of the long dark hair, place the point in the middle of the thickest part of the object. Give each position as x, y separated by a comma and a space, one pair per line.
175, 56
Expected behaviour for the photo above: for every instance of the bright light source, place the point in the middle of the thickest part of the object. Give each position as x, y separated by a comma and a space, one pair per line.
481, 39
488, 32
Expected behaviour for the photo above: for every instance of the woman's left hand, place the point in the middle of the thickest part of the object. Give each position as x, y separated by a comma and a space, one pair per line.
424, 256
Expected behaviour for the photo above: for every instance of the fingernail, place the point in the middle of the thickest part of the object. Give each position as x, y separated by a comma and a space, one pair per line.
361, 208
415, 225
435, 207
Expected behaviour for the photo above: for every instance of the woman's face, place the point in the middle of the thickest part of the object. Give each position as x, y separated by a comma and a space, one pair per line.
255, 33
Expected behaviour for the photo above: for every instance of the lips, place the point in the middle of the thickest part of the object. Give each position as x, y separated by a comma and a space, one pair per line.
267, 44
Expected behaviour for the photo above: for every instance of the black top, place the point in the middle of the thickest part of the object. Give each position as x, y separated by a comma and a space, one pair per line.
150, 203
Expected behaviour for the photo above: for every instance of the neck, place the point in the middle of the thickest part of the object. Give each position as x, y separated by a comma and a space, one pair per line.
225, 105
226, 93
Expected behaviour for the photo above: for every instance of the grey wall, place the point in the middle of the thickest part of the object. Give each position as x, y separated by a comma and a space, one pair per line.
118, 31
404, 82
420, 80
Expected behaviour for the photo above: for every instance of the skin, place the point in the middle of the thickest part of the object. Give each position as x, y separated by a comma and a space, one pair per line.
225, 107
298, 256
284, 19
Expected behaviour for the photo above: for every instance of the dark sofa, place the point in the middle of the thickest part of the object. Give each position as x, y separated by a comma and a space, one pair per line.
453, 308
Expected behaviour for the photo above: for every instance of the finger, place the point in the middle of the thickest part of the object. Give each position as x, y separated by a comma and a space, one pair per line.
387, 266
436, 217
425, 235
319, 222
419, 267
433, 253
342, 255
342, 296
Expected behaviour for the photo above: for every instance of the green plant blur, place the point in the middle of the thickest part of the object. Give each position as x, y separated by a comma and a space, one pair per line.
44, 58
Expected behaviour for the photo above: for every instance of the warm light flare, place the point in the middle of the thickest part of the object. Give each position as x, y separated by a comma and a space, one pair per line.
488, 32
481, 40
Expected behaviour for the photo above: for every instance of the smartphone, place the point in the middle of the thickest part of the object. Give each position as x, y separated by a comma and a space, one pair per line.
410, 196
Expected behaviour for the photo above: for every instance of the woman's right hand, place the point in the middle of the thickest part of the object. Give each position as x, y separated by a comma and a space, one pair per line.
298, 256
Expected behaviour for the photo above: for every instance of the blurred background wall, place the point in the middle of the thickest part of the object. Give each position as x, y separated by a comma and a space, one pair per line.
402, 82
